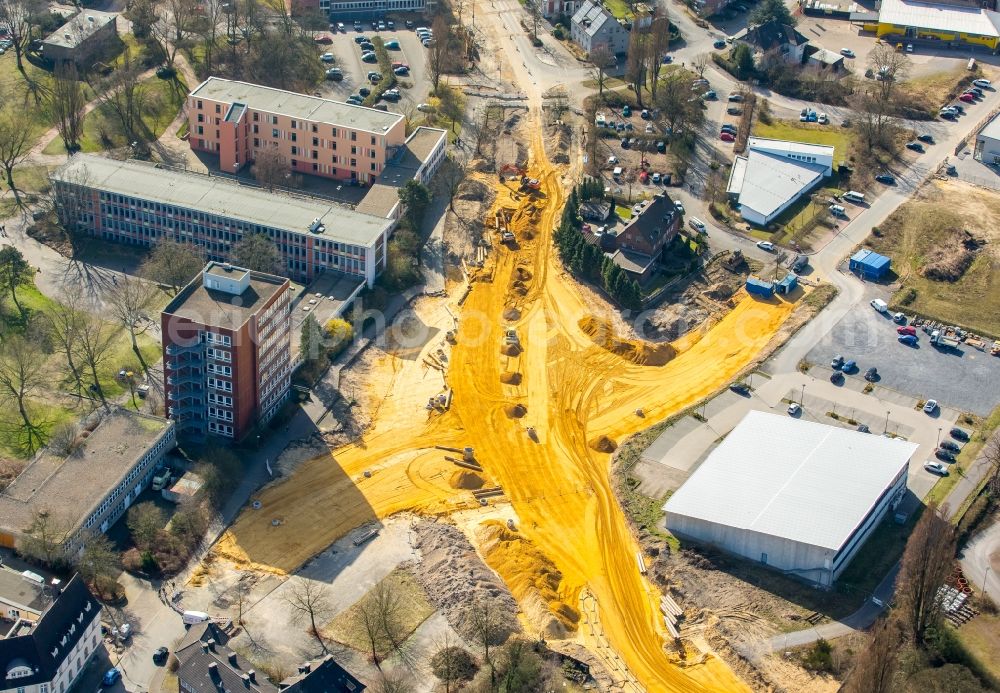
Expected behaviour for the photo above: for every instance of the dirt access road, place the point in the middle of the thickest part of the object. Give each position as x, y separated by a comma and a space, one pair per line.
570, 391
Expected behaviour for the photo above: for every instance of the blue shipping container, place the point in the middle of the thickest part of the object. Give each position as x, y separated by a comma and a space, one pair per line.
759, 287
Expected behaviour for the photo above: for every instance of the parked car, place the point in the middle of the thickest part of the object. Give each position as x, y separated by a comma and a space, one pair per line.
335, 74
644, 114
322, 38
885, 179
909, 48
977, 91
899, 318
698, 225
365, 92
327, 57
392, 45
863, 428
679, 206
944, 455
369, 57
727, 136
361, 39
734, 110
967, 98
111, 677
936, 468
847, 53
930, 406
401, 71
907, 339
656, 179
981, 83
390, 25
735, 97
823, 119
661, 147
915, 146
849, 366
948, 445
427, 108
929, 139
765, 245
871, 375
906, 329
959, 434
719, 44
341, 28
836, 377
740, 388
709, 95
794, 409
408, 24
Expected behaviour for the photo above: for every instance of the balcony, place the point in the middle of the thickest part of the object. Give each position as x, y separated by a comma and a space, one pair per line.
178, 349
185, 379
182, 411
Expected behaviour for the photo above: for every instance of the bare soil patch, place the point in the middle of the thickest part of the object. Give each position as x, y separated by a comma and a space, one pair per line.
636, 351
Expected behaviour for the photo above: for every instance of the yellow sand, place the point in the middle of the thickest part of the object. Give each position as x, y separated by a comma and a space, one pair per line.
573, 391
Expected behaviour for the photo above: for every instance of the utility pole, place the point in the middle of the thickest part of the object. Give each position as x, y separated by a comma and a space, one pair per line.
802, 397
886, 422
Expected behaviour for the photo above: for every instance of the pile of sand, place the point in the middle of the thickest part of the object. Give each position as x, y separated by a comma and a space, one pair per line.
510, 350
465, 479
456, 580
519, 288
473, 190
636, 351
522, 273
511, 314
515, 411
603, 444
531, 576
509, 378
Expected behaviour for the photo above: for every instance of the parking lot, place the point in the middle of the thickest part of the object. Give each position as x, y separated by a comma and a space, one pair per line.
347, 56
964, 378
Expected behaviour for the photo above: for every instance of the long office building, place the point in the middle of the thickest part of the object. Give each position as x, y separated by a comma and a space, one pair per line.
139, 203
317, 136
226, 351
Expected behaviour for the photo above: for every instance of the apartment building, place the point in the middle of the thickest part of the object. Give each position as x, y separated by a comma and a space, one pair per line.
140, 203
316, 136
48, 655
90, 489
226, 351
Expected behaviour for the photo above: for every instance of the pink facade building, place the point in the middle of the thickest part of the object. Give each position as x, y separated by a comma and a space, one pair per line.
320, 137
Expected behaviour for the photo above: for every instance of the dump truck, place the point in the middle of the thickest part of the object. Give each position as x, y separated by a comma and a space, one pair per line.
943, 341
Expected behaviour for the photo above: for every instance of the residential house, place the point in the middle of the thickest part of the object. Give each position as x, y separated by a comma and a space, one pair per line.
594, 26
82, 40
773, 37
639, 246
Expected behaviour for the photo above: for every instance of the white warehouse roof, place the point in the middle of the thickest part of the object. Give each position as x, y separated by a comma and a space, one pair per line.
803, 481
920, 15
765, 182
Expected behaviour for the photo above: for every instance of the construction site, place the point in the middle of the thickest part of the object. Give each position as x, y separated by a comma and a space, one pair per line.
510, 395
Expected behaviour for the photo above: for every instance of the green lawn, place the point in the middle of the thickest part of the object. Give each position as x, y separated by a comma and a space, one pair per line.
834, 135
102, 130
29, 180
964, 459
619, 8
624, 213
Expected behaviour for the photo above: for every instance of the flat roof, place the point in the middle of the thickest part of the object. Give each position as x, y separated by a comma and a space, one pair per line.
789, 146
14, 589
225, 197
992, 128
219, 308
764, 182
79, 28
870, 258
925, 15
798, 480
289, 103
76, 484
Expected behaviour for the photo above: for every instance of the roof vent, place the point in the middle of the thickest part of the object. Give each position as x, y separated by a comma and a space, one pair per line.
213, 670
211, 644
315, 225
233, 660
227, 266
90, 18
246, 681
67, 36
252, 675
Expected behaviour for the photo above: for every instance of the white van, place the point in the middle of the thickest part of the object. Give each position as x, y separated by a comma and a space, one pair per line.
853, 196
617, 172
879, 305
190, 618
838, 211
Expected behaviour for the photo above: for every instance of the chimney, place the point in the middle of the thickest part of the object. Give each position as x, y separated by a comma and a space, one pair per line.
233, 660
211, 644
213, 671
252, 675
246, 680
204, 647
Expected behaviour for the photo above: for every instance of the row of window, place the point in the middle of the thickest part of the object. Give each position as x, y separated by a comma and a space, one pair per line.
216, 338
220, 429
224, 400
219, 384
218, 413
220, 370
220, 354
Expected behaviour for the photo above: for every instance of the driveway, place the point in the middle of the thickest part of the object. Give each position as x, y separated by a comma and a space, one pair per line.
981, 561
963, 378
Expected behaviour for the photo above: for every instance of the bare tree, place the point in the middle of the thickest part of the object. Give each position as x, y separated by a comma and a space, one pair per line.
129, 301
94, 344
659, 45
207, 28
16, 18
452, 664
257, 252
378, 616
602, 58
677, 110
889, 68
535, 12
438, 50
66, 322
270, 168
45, 537
172, 264
992, 455
489, 631
926, 561
99, 564
15, 144
67, 103
144, 522
15, 272
173, 26
393, 682
876, 664
637, 63
124, 94
308, 600
241, 595
20, 379
451, 175
700, 63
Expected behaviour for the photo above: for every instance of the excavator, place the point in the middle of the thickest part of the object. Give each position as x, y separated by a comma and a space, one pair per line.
518, 172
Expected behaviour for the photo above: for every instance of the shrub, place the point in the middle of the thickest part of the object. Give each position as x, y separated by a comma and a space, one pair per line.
559, 33
818, 657
908, 296
132, 560
453, 664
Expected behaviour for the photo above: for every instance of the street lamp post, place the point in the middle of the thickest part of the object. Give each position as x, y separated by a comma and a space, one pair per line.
802, 397
886, 422
985, 573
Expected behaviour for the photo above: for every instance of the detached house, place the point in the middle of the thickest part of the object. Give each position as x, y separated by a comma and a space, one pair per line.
775, 37
638, 247
594, 26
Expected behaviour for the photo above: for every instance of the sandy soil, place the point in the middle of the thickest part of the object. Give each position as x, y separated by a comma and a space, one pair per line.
571, 391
